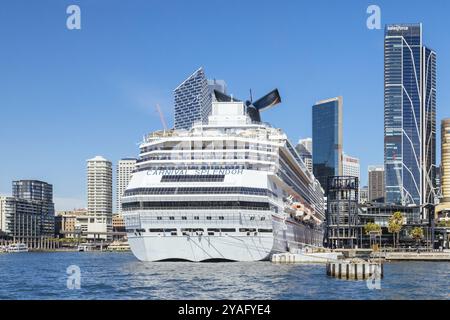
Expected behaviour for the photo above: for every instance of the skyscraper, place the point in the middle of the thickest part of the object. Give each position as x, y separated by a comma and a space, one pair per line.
376, 184
327, 139
409, 116
99, 187
124, 169
193, 100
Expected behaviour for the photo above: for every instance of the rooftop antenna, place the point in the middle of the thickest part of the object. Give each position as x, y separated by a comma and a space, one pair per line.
251, 95
161, 117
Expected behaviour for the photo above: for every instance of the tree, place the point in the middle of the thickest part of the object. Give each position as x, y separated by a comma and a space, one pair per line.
417, 234
371, 226
395, 225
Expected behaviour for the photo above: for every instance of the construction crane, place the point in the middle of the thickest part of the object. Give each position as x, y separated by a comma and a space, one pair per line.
161, 117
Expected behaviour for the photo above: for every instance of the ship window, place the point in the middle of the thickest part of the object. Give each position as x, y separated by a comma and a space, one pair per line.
228, 230
221, 218
158, 218
208, 218
140, 230
196, 218
263, 218
252, 218
190, 205
210, 233
246, 230
155, 230
213, 230
170, 230
183, 218
192, 230
264, 230
171, 218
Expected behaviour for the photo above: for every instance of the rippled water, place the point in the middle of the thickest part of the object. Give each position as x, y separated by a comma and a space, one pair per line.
121, 276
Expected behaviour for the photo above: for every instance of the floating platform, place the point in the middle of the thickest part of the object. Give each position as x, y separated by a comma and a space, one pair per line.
355, 269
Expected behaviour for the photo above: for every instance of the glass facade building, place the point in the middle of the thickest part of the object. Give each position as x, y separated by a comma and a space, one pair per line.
29, 215
409, 116
33, 190
193, 100
327, 139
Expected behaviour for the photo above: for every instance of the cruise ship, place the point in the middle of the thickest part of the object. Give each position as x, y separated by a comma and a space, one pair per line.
233, 189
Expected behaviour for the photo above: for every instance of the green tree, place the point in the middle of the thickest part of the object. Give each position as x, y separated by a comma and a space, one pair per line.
371, 226
395, 225
417, 234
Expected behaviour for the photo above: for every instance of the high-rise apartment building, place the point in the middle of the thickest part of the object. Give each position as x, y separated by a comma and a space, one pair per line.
376, 184
193, 100
327, 139
409, 116
29, 215
124, 171
99, 187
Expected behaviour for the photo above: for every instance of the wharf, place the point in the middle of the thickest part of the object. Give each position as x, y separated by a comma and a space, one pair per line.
414, 256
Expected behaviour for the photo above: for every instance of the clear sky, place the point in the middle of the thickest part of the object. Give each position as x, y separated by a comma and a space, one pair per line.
68, 95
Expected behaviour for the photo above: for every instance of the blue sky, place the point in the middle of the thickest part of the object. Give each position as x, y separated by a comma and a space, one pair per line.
68, 95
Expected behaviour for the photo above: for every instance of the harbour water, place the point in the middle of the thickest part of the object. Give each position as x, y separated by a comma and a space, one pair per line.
120, 276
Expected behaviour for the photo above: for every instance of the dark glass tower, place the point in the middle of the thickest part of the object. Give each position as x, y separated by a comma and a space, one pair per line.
409, 116
327, 139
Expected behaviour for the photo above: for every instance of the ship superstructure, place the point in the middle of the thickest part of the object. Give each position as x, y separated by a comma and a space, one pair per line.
232, 189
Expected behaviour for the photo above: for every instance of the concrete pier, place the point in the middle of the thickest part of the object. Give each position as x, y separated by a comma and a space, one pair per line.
354, 270
304, 257
414, 256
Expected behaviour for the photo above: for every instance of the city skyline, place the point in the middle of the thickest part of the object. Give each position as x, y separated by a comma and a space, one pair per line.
84, 106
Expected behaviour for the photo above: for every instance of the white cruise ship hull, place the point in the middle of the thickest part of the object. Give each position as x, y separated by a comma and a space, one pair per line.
286, 235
